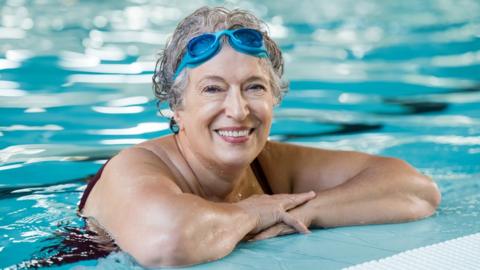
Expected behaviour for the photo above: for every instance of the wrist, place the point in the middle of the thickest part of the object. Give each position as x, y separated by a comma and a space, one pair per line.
305, 213
318, 210
248, 218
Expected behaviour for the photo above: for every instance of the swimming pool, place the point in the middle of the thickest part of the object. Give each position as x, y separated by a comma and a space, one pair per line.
395, 79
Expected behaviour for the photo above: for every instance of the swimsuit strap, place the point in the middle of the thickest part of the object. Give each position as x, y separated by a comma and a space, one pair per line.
91, 182
260, 174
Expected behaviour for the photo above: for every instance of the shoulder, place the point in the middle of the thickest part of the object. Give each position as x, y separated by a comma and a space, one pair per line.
292, 165
136, 161
133, 198
284, 158
149, 161
296, 154
276, 162
288, 154
134, 170
132, 179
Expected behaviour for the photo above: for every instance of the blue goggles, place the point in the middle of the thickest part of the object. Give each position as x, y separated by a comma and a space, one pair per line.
203, 47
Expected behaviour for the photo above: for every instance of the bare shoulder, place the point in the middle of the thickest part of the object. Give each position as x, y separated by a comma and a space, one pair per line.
130, 173
133, 198
138, 165
128, 177
294, 164
159, 146
135, 172
289, 149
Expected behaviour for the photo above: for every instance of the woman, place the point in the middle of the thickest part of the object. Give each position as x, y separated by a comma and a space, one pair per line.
192, 196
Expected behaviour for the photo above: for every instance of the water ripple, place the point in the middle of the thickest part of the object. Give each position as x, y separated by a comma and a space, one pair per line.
396, 78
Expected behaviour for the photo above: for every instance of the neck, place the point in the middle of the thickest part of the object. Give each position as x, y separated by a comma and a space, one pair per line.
216, 180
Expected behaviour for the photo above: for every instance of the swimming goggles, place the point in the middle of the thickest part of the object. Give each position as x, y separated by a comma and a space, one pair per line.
203, 47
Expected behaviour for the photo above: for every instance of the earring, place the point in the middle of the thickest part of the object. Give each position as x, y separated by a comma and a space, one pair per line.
174, 126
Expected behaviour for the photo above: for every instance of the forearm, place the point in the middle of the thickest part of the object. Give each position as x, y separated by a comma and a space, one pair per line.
211, 231
388, 192
198, 230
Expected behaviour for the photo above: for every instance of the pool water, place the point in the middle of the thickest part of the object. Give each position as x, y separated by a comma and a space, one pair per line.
394, 78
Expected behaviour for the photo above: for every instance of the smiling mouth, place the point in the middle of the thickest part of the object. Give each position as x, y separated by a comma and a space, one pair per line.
235, 133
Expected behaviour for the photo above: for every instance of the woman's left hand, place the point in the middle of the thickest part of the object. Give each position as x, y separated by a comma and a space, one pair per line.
300, 213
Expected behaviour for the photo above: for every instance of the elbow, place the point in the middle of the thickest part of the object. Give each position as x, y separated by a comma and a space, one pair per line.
422, 193
161, 251
427, 198
154, 254
180, 247
433, 196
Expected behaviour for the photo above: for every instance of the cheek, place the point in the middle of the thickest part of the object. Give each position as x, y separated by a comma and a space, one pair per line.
264, 109
199, 115
206, 113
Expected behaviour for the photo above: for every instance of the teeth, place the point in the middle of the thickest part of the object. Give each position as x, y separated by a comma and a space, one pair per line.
231, 133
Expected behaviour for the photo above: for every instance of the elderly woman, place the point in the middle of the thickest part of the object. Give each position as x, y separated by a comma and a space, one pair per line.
190, 197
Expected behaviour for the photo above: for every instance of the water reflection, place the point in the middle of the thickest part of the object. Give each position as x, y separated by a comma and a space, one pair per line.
391, 78
138, 129
118, 110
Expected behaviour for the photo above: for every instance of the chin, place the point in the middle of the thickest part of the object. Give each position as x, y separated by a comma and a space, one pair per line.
235, 158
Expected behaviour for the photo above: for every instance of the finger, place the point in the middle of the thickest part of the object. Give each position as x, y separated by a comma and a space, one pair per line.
294, 223
278, 229
293, 200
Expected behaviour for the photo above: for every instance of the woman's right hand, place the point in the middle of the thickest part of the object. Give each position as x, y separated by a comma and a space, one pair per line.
269, 210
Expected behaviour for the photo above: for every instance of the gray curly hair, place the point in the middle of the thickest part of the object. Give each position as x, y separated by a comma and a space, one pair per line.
206, 19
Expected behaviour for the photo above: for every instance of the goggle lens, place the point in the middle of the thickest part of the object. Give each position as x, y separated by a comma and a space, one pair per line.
200, 44
249, 37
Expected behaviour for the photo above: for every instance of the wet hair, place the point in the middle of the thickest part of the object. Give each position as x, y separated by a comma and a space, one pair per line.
202, 20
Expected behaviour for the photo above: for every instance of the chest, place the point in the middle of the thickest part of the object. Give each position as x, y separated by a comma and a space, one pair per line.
247, 187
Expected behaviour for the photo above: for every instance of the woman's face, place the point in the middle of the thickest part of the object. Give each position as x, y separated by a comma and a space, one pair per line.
227, 108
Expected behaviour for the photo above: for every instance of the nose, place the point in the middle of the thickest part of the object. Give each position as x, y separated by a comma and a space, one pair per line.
236, 106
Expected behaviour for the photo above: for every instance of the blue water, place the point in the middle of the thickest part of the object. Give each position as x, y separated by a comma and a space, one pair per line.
392, 78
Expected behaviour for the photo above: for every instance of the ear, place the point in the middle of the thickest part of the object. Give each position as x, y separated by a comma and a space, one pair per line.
177, 116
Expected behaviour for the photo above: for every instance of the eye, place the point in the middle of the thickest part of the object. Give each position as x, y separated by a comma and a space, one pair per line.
256, 87
212, 89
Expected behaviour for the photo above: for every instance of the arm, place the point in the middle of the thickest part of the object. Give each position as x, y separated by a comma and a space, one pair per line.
385, 191
355, 188
150, 218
